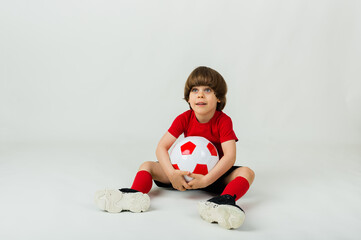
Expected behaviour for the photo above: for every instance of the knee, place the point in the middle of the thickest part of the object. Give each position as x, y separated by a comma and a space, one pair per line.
250, 172
247, 173
146, 166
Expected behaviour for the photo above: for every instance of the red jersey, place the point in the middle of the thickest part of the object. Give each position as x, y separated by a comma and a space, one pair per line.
218, 130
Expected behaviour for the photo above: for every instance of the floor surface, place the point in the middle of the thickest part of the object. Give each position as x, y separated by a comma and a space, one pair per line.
300, 192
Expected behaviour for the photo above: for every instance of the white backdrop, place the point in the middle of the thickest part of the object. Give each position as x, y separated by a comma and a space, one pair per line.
87, 88
115, 70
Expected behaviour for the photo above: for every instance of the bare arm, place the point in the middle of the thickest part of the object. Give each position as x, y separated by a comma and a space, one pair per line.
224, 164
174, 176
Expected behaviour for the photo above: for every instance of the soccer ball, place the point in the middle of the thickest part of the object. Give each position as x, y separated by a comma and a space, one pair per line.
194, 154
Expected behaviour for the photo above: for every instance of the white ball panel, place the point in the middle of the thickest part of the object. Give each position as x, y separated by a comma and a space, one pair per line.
200, 155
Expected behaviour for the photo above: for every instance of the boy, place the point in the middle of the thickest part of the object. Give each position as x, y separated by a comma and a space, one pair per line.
205, 91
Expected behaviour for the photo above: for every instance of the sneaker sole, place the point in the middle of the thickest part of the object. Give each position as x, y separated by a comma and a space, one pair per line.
115, 201
226, 216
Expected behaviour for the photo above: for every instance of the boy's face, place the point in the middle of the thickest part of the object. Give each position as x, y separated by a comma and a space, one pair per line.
203, 100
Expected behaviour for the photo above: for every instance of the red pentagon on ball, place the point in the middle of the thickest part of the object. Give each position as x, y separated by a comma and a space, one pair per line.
187, 148
175, 166
212, 149
201, 169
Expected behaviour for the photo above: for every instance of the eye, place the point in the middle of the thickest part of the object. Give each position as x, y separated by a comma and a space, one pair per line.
194, 90
208, 90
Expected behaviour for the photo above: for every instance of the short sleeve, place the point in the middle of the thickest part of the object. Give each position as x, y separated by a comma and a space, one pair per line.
226, 132
178, 125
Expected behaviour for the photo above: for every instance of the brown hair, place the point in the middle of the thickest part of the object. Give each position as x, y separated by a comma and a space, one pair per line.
205, 76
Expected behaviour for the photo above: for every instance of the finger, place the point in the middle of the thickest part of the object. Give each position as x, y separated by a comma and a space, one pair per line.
193, 175
186, 185
193, 186
184, 172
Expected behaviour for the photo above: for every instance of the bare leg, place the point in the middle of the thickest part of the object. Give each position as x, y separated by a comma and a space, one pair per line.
245, 172
155, 170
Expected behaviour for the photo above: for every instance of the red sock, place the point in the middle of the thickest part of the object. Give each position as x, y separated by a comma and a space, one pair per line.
238, 186
142, 182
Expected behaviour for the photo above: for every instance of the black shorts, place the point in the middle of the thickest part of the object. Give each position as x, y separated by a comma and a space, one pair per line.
217, 187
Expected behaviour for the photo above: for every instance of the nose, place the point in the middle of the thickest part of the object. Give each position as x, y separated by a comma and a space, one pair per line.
200, 94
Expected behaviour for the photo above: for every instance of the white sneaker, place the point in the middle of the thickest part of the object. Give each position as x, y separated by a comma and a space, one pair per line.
223, 210
115, 200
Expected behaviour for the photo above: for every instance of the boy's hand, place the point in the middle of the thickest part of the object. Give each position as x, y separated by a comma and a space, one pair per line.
178, 181
199, 181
